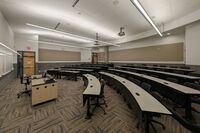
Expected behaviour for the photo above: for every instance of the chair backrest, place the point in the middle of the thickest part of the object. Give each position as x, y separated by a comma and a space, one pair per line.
123, 75
25, 80
136, 81
192, 85
146, 86
162, 66
185, 67
179, 72
174, 66
156, 76
195, 74
172, 79
44, 74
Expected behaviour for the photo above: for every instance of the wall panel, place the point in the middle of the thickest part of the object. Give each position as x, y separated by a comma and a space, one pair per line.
57, 55
169, 52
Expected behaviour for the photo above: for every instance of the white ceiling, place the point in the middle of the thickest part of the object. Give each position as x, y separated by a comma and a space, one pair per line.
91, 16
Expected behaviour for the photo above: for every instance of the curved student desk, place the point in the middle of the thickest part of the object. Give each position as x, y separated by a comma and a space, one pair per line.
83, 71
54, 72
181, 77
58, 73
185, 71
69, 72
148, 105
93, 89
185, 92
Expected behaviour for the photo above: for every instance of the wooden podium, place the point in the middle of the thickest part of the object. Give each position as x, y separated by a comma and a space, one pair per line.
42, 91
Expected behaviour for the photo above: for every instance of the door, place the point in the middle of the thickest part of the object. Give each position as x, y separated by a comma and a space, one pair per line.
94, 58
29, 65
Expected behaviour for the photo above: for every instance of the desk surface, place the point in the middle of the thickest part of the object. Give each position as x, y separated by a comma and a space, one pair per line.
146, 102
178, 87
165, 68
38, 81
166, 73
69, 71
87, 70
41, 81
93, 87
36, 76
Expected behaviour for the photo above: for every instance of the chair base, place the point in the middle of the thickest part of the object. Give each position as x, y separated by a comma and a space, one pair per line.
99, 105
24, 92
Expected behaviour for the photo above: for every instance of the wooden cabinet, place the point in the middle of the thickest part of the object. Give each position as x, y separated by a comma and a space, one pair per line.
94, 58
43, 92
26, 63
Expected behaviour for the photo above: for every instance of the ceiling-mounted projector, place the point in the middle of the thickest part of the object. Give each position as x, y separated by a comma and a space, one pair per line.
121, 33
97, 39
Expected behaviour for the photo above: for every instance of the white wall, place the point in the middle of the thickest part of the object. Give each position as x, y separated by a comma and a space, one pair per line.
192, 37
22, 43
6, 33
54, 47
151, 41
7, 38
86, 55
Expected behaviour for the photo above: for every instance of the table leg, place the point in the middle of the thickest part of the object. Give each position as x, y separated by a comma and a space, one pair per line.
188, 108
75, 77
146, 123
89, 114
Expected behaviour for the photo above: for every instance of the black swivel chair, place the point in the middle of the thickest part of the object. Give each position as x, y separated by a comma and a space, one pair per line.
172, 79
136, 81
194, 99
184, 67
187, 124
146, 86
100, 100
179, 72
26, 81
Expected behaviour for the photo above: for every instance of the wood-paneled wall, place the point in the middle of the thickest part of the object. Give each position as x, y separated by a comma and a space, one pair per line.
56, 55
170, 52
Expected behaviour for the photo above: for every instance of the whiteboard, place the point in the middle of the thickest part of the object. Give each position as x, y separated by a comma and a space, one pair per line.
6, 62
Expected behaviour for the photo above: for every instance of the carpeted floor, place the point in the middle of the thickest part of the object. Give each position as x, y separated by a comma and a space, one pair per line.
66, 114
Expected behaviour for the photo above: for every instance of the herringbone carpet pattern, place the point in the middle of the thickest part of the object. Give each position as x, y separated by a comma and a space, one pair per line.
66, 114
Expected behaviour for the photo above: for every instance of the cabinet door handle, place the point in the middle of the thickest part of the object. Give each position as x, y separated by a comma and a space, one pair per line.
45, 87
52, 84
37, 88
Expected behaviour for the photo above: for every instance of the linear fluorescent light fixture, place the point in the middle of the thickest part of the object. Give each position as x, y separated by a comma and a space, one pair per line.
9, 49
57, 44
137, 4
69, 34
2, 53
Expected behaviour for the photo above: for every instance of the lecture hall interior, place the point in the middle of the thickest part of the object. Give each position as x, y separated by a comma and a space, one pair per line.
99, 66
